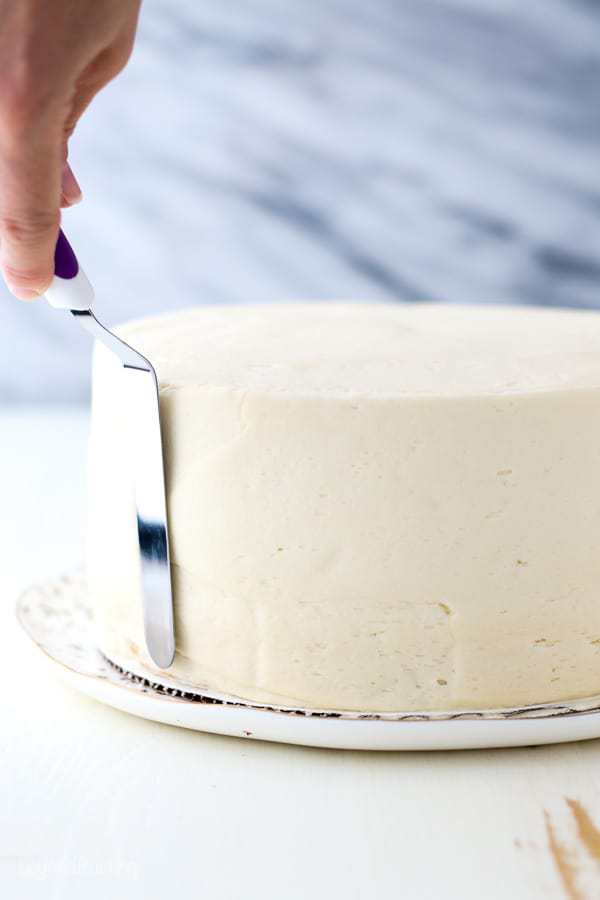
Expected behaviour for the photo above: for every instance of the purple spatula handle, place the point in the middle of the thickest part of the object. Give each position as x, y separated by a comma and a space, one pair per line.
65, 261
70, 288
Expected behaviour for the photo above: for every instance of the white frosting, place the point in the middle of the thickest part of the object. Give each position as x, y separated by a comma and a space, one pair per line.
371, 507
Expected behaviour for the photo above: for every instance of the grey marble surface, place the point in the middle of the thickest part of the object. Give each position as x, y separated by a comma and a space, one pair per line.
396, 150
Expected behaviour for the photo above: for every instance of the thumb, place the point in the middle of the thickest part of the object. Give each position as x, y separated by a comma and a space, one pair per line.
30, 194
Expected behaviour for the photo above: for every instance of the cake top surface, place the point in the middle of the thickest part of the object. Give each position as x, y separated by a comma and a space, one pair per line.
380, 350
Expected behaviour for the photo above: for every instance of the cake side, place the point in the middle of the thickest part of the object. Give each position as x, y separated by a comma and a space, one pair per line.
361, 549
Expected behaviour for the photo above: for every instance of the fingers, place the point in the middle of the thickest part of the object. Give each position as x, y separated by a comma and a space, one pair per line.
30, 191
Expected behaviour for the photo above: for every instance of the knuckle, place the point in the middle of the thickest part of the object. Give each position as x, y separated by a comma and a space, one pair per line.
28, 229
31, 278
119, 62
69, 128
116, 59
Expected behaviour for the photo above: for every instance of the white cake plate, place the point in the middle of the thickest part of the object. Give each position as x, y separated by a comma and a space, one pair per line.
58, 619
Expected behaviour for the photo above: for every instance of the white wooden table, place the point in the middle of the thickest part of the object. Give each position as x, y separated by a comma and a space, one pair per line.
96, 804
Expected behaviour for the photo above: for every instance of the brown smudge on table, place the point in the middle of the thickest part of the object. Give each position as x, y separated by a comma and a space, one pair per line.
562, 858
588, 833
568, 860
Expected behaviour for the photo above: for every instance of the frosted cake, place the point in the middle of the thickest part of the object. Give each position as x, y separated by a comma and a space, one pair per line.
372, 507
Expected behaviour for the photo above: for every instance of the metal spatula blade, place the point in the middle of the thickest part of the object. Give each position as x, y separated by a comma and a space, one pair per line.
70, 290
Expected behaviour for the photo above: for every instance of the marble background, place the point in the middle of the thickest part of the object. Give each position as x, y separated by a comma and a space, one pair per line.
396, 150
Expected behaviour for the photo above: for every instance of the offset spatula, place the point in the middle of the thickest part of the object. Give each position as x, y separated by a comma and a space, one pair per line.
71, 290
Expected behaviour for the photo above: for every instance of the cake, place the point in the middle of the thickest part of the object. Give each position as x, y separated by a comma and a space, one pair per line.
371, 507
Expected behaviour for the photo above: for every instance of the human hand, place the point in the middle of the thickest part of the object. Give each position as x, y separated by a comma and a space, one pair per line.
54, 58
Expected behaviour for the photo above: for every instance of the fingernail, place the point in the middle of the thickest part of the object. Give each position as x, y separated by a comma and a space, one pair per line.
70, 186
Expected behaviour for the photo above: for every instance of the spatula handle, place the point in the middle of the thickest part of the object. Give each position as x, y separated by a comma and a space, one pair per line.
70, 288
